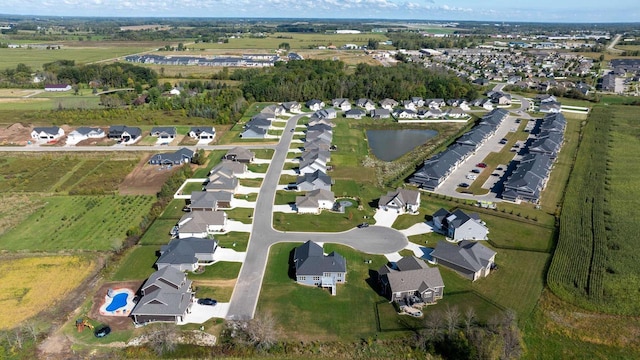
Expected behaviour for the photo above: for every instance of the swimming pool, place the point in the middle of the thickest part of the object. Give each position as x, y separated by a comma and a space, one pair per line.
118, 302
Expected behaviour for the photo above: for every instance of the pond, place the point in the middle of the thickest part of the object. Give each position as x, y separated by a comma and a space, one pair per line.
388, 145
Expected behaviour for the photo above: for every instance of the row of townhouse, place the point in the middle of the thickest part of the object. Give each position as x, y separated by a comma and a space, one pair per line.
531, 174
436, 169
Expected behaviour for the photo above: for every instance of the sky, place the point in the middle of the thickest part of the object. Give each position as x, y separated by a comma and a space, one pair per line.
583, 11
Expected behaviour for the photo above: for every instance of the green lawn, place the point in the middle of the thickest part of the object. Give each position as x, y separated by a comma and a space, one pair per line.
240, 239
173, 210
137, 264
158, 232
219, 293
251, 182
512, 234
78, 223
244, 215
191, 187
9, 58
310, 313
326, 221
219, 271
286, 197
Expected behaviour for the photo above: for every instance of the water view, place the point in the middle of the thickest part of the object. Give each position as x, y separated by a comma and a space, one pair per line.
389, 145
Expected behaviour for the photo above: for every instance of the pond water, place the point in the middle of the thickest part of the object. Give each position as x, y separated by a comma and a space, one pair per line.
388, 145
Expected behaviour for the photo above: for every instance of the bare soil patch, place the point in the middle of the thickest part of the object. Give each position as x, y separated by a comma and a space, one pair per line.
145, 179
15, 134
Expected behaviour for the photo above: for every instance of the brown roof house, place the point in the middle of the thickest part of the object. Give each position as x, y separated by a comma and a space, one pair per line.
411, 281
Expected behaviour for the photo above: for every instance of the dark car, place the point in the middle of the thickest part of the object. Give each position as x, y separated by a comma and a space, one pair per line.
291, 130
102, 332
502, 142
476, 171
499, 168
207, 301
495, 174
363, 225
463, 185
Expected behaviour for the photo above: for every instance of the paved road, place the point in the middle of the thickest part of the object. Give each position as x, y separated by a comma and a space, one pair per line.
374, 239
158, 148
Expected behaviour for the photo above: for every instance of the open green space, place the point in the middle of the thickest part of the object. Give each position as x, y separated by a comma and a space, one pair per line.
511, 234
158, 232
286, 197
244, 215
251, 182
78, 223
173, 211
137, 264
220, 293
326, 221
191, 187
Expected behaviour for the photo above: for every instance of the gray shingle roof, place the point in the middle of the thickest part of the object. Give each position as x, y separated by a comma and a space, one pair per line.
413, 274
469, 255
186, 251
310, 260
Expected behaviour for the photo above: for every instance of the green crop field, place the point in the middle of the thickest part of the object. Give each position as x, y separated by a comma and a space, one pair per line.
78, 223
35, 58
593, 264
296, 41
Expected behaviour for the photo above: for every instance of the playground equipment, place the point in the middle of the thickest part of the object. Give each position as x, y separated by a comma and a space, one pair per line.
82, 323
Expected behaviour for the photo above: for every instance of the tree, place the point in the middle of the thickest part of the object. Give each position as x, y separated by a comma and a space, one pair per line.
261, 331
284, 45
163, 339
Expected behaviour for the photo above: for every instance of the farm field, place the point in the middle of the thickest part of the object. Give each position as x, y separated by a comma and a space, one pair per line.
78, 223
35, 58
297, 41
54, 173
31, 285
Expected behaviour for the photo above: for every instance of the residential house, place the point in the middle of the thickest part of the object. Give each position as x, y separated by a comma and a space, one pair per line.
320, 121
233, 168
470, 259
202, 132
166, 297
314, 201
182, 156
417, 101
342, 104
315, 104
436, 169
409, 105
435, 103
317, 144
405, 114
456, 113
314, 181
211, 200
400, 201
354, 114
459, 225
164, 132
312, 135
366, 104
222, 180
48, 133
328, 113
381, 114
528, 179
187, 254
240, 154
124, 133
291, 107
313, 268
550, 107
254, 132
388, 104
201, 224
411, 281
311, 164
84, 133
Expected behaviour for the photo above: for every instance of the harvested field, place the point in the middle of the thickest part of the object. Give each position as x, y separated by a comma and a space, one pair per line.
31, 285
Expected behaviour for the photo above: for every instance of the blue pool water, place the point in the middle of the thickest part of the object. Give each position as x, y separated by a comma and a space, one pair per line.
117, 302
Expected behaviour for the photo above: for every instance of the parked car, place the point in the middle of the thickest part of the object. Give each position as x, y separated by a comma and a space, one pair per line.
417, 313
207, 301
463, 185
472, 177
481, 165
495, 174
499, 168
291, 130
102, 332
476, 171
363, 225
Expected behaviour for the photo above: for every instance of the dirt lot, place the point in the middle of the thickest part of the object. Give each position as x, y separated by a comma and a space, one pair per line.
115, 322
15, 134
145, 179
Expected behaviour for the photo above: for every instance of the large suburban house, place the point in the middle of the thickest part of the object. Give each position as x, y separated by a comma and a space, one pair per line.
411, 281
314, 201
291, 107
240, 154
124, 133
202, 132
314, 268
459, 225
211, 200
48, 133
187, 254
166, 297
380, 114
388, 104
315, 104
341, 103
164, 132
201, 224
84, 133
222, 179
400, 201
182, 156
470, 259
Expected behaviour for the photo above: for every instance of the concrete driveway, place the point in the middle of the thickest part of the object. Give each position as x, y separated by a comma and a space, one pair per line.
287, 209
261, 161
251, 175
225, 254
417, 229
233, 225
243, 203
247, 190
385, 218
201, 313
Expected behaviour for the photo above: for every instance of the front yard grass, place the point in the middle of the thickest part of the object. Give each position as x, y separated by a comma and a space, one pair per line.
158, 232
251, 182
219, 293
137, 264
286, 197
518, 235
240, 239
221, 270
244, 215
327, 221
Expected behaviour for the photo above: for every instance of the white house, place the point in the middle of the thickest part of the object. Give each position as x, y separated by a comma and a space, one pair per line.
401, 201
47, 133
459, 225
84, 133
314, 201
57, 87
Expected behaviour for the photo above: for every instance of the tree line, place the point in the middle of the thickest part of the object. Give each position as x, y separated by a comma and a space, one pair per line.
326, 79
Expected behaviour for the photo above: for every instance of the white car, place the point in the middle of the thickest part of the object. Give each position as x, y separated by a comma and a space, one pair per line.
472, 176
